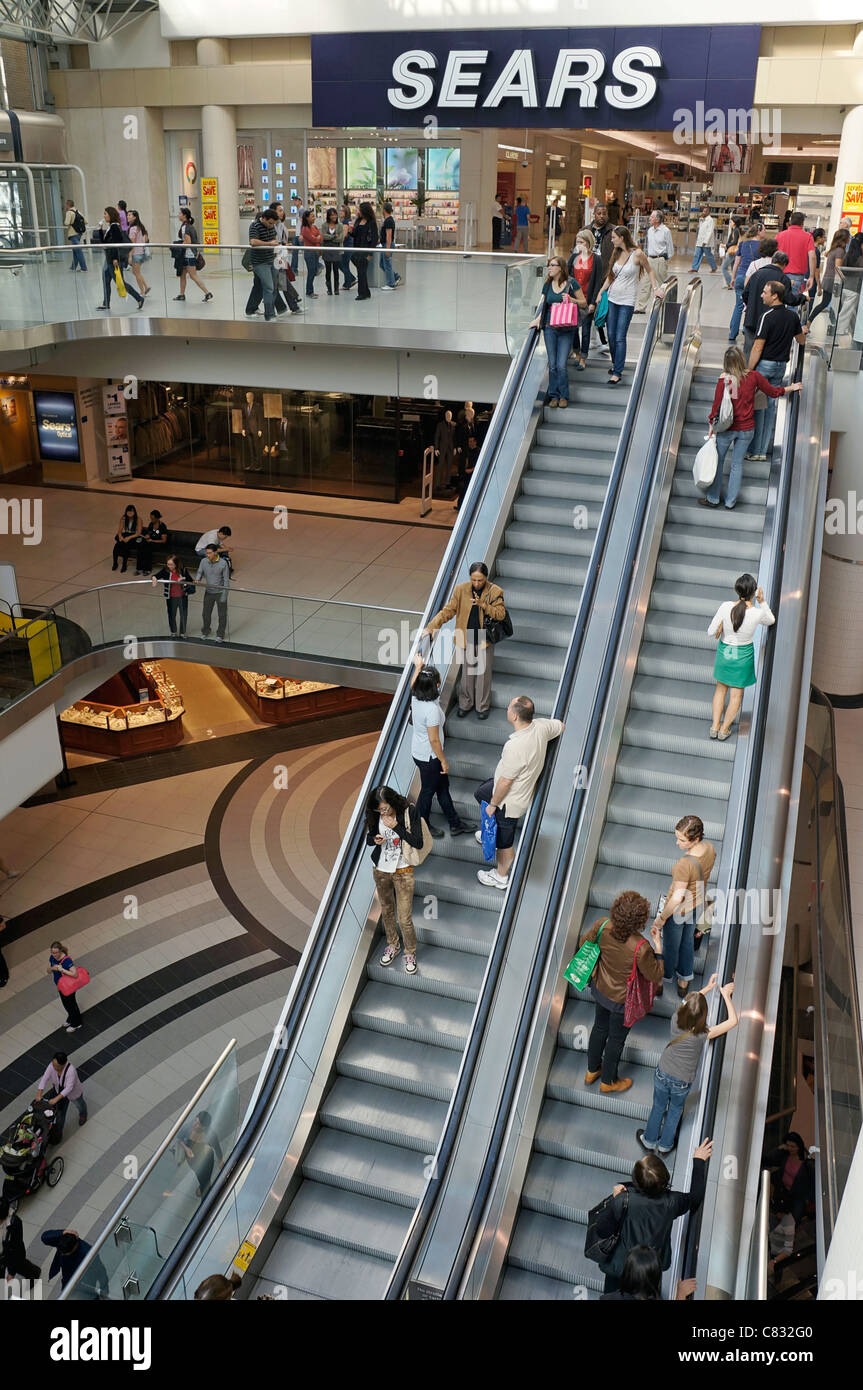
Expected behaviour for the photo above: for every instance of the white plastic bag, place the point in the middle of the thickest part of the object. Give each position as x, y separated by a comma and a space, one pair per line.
726, 410
706, 463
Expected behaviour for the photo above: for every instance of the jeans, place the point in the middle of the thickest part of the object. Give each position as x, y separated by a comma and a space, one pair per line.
521, 239
727, 266
617, 323
797, 281
700, 253
266, 282
738, 442
211, 597
605, 1044
585, 324
386, 263
312, 261
435, 784
669, 1096
295, 256
826, 296
765, 420
178, 609
737, 311
558, 346
361, 261
350, 280
77, 253
678, 947
62, 1108
108, 281
396, 895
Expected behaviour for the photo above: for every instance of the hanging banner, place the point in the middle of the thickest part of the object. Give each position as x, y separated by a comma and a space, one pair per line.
210, 210
852, 205
116, 433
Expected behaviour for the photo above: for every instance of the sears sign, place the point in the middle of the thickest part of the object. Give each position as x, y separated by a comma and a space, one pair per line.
625, 78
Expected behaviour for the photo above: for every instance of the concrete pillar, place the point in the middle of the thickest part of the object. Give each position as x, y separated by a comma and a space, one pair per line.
219, 150
478, 183
213, 53
849, 165
538, 183
573, 195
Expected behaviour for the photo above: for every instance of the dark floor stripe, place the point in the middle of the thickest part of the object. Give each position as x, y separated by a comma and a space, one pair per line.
28, 1067
88, 893
214, 752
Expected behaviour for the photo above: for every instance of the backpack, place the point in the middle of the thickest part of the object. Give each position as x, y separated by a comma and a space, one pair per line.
79, 226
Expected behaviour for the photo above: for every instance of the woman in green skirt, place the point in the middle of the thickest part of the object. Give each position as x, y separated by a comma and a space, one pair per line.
734, 625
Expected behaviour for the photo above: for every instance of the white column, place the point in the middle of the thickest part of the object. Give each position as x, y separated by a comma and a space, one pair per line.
219, 143
849, 165
573, 195
213, 53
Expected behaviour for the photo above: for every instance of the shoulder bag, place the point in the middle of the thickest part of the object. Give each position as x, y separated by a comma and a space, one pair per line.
640, 993
414, 857
601, 310
704, 914
583, 963
725, 419
69, 984
496, 629
601, 1248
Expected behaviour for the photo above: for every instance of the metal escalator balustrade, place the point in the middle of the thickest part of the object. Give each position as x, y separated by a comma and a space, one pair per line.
377, 1146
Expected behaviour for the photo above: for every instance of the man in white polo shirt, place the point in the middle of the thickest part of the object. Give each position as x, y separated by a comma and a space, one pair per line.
659, 248
510, 792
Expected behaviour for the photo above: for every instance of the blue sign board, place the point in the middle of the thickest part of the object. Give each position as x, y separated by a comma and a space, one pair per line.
57, 426
623, 79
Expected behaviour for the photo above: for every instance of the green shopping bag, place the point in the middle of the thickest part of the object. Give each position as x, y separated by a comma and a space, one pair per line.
583, 963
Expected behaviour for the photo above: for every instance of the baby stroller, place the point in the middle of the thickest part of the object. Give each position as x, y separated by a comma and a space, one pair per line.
23, 1152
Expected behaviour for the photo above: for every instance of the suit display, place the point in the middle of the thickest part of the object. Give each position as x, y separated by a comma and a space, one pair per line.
253, 427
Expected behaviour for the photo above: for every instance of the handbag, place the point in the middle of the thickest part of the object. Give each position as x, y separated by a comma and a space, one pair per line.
118, 281
640, 993
704, 922
564, 314
725, 419
601, 310
246, 259
199, 262
583, 963
414, 857
602, 1248
68, 984
496, 629
706, 463
489, 834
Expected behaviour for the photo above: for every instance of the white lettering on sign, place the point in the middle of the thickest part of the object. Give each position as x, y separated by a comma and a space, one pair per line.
576, 70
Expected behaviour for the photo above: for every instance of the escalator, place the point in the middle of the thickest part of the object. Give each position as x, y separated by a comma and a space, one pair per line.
394, 1075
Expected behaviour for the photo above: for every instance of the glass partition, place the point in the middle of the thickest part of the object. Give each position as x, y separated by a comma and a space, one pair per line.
131, 1251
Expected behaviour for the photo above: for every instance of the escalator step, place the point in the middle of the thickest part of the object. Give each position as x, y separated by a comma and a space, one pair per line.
679, 540
552, 539
563, 461
564, 488
393, 1117
676, 662
527, 564
367, 1167
518, 1286
648, 851
341, 1218
644, 1043
676, 697
403, 1064
306, 1268
679, 736
557, 1187
566, 1082
524, 600
648, 767
651, 809
457, 974
605, 1139
429, 1018
544, 1245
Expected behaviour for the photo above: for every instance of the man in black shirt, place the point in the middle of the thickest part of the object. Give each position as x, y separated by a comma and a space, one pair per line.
778, 327
752, 296
262, 240
388, 239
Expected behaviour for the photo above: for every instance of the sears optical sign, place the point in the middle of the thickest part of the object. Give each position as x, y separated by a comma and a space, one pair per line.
575, 78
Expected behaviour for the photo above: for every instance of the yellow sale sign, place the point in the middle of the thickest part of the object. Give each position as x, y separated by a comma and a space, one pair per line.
852, 204
209, 190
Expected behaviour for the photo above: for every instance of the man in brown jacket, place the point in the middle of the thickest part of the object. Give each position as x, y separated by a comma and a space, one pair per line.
472, 604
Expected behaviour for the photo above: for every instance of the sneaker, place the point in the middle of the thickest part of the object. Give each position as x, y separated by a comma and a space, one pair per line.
390, 954
477, 835
461, 828
386, 287
639, 1134
435, 831
73, 1027
204, 634
605, 352
410, 963
492, 879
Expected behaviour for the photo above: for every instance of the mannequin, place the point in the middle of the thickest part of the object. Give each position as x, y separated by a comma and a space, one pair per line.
444, 447
253, 431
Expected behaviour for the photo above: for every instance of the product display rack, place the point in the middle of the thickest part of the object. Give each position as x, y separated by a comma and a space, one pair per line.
321, 199
126, 730
279, 700
443, 208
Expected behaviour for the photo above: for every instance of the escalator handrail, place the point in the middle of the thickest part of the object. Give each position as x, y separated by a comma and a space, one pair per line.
705, 1116
548, 932
497, 958
323, 929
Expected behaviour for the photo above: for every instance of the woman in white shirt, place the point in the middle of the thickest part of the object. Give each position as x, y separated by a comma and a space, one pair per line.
734, 625
625, 269
391, 822
427, 737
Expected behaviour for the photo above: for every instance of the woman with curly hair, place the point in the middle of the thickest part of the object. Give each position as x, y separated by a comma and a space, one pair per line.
619, 939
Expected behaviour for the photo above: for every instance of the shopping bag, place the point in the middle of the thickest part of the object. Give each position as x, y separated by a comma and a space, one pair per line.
706, 463
118, 281
640, 993
69, 984
415, 857
489, 834
725, 418
583, 963
601, 310
597, 1248
564, 314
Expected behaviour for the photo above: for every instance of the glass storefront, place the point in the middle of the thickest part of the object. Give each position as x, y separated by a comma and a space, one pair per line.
325, 442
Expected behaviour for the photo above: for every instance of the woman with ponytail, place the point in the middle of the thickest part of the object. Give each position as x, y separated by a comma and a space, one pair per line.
734, 626
742, 385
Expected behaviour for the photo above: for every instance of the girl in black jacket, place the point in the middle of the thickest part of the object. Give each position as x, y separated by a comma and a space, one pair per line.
365, 233
13, 1252
178, 585
392, 821
645, 1211
117, 249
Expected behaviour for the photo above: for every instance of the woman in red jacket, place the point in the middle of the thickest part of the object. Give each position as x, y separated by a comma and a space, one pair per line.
311, 238
742, 385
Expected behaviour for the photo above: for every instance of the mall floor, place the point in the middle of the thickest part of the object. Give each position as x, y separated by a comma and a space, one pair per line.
224, 870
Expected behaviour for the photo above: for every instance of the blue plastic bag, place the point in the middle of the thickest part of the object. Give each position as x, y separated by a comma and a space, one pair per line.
488, 825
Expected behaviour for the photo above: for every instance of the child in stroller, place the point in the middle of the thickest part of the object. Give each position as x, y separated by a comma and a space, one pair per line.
23, 1152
